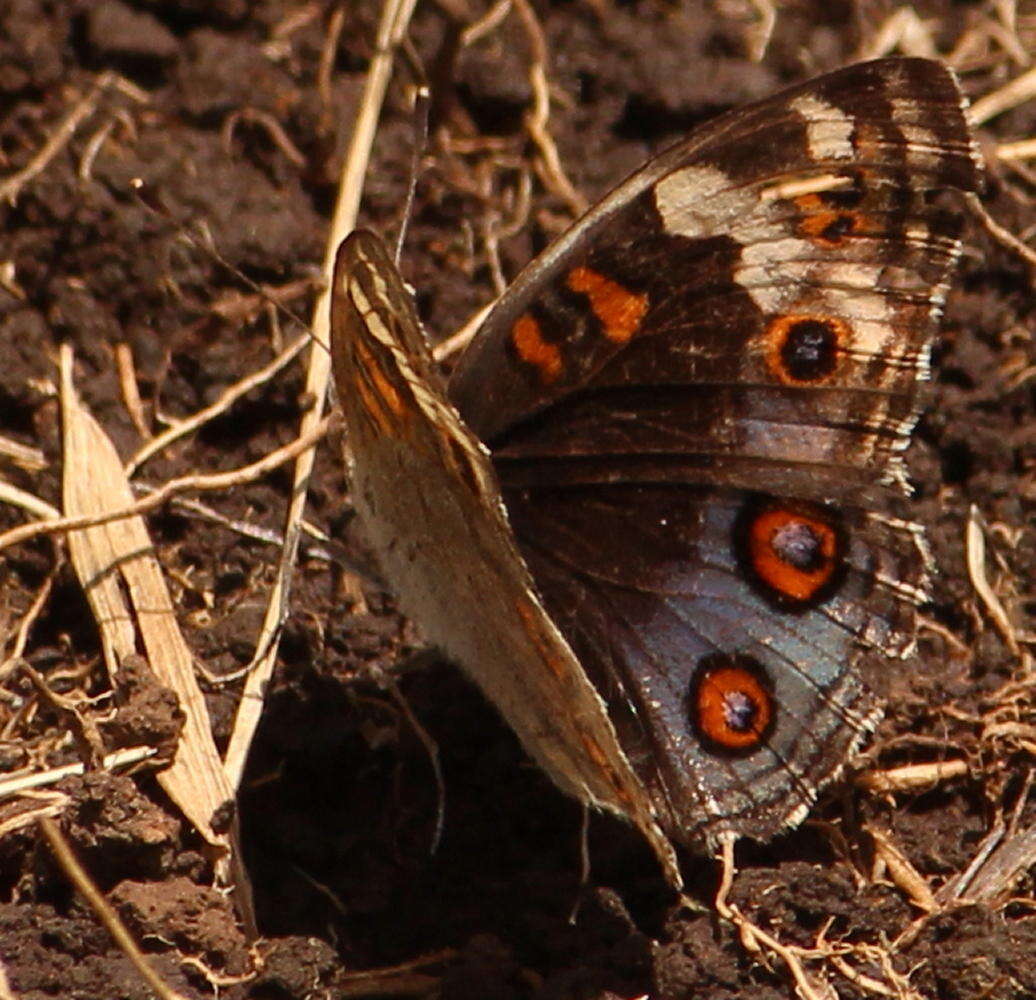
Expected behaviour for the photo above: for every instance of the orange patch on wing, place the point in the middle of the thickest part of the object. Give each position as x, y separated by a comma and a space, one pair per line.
533, 349
619, 310
389, 393
717, 689
528, 616
778, 532
372, 409
825, 226
380, 396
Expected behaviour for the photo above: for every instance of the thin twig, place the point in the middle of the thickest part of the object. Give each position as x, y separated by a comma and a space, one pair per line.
210, 483
19, 783
1018, 91
975, 552
12, 185
1023, 149
327, 56
16, 497
29, 458
395, 17
102, 908
130, 390
28, 620
1002, 235
459, 340
273, 128
226, 399
536, 121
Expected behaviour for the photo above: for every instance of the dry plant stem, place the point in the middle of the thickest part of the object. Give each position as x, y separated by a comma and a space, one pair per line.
957, 886
1003, 236
859, 979
327, 56
1007, 864
432, 749
29, 502
486, 24
246, 529
395, 17
220, 982
536, 121
754, 938
760, 35
1018, 91
459, 340
273, 128
975, 551
902, 29
396, 979
29, 458
21, 638
20, 783
83, 727
130, 391
10, 188
93, 147
902, 871
36, 804
911, 777
184, 484
115, 927
1023, 149
221, 405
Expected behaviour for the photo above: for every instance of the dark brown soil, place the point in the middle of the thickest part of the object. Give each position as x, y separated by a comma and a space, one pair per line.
339, 803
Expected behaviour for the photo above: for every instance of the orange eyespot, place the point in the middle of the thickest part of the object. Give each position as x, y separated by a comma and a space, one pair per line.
731, 705
804, 349
793, 552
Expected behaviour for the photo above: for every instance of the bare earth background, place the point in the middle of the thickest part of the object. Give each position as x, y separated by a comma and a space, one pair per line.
235, 115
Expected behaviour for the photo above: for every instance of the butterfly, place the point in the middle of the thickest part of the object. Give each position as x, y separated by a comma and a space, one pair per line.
654, 513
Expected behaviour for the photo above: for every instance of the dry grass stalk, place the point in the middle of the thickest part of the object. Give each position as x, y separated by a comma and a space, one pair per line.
911, 777
397, 980
78, 877
226, 399
395, 17
28, 502
904, 31
11, 187
216, 482
130, 391
537, 120
975, 551
1018, 91
28, 808
20, 783
902, 871
28, 458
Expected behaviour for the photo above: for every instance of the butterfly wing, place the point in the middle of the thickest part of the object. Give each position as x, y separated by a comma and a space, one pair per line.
425, 490
696, 404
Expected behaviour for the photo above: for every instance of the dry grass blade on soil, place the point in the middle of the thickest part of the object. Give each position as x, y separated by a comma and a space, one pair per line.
127, 593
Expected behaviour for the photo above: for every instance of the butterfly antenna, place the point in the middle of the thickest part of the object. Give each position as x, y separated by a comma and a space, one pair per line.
422, 103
